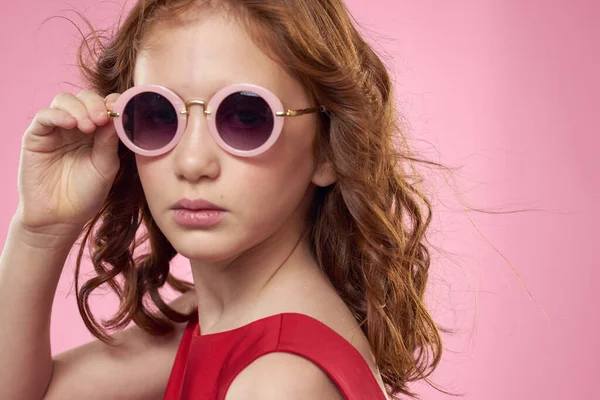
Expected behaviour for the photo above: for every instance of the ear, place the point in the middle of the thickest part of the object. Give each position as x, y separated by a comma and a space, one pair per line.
323, 175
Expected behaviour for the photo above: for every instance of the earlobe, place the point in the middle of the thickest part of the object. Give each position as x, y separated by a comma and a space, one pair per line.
323, 175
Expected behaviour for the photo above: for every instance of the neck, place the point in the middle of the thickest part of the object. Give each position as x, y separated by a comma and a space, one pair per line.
230, 289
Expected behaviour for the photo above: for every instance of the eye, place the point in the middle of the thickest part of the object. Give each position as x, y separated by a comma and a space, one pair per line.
161, 116
248, 116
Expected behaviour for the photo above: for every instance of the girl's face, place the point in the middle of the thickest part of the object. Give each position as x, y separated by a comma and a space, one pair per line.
264, 196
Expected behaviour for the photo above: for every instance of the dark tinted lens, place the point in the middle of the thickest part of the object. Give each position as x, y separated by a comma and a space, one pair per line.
244, 120
150, 120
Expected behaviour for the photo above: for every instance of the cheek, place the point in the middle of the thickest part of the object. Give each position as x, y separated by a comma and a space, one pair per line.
273, 190
152, 179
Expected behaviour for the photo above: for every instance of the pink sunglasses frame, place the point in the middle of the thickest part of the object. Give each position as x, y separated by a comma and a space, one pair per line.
213, 104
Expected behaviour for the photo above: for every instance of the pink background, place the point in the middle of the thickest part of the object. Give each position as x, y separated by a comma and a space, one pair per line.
507, 89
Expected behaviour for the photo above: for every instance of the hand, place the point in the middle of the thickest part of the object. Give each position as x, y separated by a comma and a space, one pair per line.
69, 160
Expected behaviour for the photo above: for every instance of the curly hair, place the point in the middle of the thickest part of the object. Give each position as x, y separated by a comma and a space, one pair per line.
368, 231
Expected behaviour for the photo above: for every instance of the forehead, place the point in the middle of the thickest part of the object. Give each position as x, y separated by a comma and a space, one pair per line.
199, 56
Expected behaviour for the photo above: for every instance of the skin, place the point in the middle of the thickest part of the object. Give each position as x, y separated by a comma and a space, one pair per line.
252, 264
246, 268
236, 263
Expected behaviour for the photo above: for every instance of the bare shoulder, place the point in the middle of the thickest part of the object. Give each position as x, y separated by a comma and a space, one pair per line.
138, 367
313, 295
283, 376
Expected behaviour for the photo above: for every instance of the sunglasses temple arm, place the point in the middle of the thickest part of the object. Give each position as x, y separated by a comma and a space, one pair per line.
294, 113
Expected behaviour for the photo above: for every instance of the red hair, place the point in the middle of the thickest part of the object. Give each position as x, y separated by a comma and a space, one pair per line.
367, 230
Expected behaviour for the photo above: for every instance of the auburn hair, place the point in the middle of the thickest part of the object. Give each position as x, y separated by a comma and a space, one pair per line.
368, 230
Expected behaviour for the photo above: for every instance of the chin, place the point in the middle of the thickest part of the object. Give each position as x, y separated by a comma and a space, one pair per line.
205, 246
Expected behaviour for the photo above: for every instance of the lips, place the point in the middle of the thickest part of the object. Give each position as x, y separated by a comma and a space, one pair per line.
195, 204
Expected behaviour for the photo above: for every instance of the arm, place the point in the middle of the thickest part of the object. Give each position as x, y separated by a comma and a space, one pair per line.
30, 269
283, 376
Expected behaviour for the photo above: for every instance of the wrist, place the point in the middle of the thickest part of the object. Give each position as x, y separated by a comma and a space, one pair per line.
57, 238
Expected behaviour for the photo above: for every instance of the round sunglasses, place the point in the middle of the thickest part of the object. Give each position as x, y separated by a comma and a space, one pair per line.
244, 119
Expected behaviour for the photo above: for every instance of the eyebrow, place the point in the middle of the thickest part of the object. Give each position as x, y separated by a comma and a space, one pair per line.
184, 88
186, 91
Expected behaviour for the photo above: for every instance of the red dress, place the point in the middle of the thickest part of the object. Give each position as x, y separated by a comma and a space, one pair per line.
205, 365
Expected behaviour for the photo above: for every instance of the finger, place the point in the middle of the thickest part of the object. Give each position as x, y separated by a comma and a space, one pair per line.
47, 119
105, 150
94, 104
71, 104
110, 101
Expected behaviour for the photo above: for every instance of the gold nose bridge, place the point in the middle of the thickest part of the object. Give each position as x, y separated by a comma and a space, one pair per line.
199, 102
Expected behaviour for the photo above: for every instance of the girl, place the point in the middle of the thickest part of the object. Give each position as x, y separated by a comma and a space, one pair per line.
254, 138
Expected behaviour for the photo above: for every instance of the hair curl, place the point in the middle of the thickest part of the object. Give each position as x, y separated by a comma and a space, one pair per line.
367, 231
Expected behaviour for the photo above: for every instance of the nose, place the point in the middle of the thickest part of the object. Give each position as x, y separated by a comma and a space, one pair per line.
197, 154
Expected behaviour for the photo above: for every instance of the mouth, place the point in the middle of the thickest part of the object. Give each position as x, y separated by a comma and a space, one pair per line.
196, 205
